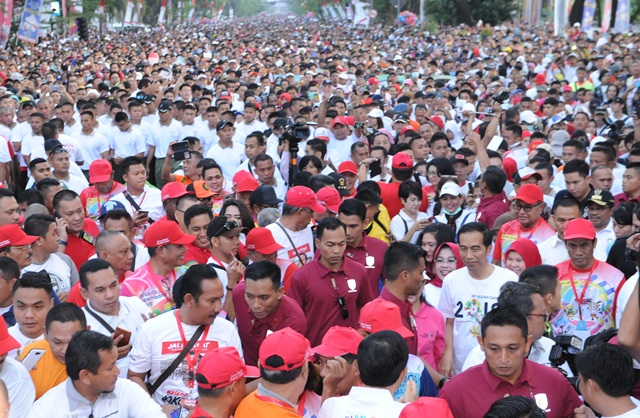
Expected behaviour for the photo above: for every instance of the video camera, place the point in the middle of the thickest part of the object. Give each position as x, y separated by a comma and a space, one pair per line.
295, 132
501, 97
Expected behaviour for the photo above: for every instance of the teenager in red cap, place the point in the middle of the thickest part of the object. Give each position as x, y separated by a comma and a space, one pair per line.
221, 379
284, 367
153, 282
528, 206
103, 187
589, 287
401, 170
262, 307
261, 246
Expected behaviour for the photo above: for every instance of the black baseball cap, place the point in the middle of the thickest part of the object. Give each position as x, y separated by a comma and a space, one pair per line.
165, 106
264, 195
222, 124
53, 145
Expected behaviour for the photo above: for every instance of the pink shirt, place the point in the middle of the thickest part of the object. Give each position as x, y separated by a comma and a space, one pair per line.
154, 290
430, 329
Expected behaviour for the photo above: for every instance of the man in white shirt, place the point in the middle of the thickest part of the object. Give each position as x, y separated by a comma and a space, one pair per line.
59, 266
93, 144
32, 300
553, 250
468, 294
125, 142
379, 379
20, 389
162, 338
340, 141
163, 132
249, 124
606, 379
227, 153
599, 209
71, 126
93, 387
59, 161
107, 312
33, 140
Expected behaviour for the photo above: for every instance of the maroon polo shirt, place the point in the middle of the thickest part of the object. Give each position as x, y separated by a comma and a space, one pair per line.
197, 254
471, 393
406, 313
490, 208
312, 288
370, 253
623, 197
253, 331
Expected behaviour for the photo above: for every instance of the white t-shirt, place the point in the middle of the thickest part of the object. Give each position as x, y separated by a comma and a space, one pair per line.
20, 387
15, 332
159, 342
209, 137
221, 268
432, 294
227, 158
150, 200
467, 300
129, 317
362, 402
92, 146
75, 183
33, 146
402, 223
243, 130
161, 136
61, 269
72, 146
303, 240
553, 251
127, 144
339, 150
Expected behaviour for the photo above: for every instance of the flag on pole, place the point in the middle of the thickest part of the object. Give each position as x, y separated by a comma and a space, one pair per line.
163, 9
128, 13
30, 22
6, 13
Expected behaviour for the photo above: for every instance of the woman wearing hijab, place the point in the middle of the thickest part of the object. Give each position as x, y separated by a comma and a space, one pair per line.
521, 255
446, 259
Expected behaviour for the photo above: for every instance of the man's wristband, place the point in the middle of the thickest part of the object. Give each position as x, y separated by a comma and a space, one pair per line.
230, 289
442, 382
62, 242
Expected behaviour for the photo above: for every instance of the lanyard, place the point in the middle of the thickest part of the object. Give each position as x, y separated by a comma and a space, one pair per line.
285, 405
192, 360
158, 283
219, 262
532, 232
584, 287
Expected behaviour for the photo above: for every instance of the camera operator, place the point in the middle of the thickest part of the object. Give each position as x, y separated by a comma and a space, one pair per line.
606, 379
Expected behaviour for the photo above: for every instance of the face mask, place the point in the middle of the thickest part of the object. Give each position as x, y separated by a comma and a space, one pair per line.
455, 212
477, 200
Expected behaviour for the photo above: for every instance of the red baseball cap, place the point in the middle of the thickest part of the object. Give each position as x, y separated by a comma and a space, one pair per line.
348, 167
402, 161
174, 190
567, 88
339, 341
262, 241
342, 120
247, 185
12, 235
165, 232
241, 175
100, 171
330, 198
221, 367
406, 129
541, 79
579, 228
530, 194
373, 80
7, 342
292, 347
381, 315
438, 121
303, 197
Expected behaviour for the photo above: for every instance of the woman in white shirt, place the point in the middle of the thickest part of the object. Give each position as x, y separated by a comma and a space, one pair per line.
408, 223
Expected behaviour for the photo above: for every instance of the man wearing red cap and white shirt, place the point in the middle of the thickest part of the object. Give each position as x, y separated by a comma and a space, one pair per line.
103, 187
18, 243
261, 246
340, 140
262, 307
292, 230
16, 378
162, 338
153, 282
221, 381
588, 287
284, 367
528, 205
349, 170
332, 287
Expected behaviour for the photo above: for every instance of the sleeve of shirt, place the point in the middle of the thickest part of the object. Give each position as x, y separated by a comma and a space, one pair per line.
497, 247
141, 144
427, 386
140, 355
138, 403
74, 277
397, 227
446, 300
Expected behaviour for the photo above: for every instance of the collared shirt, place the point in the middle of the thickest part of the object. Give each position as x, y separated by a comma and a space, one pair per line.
363, 402
470, 394
313, 288
490, 208
430, 326
606, 237
513, 230
370, 253
127, 400
257, 404
406, 314
149, 200
196, 254
553, 251
48, 371
81, 248
144, 282
19, 387
129, 317
253, 330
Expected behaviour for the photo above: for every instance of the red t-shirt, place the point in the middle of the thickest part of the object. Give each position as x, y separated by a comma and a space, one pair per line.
197, 254
81, 247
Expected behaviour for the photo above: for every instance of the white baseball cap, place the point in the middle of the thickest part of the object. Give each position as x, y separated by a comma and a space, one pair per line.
450, 189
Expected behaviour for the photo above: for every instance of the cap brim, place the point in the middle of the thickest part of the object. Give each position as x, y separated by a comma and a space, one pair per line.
7, 344
28, 239
318, 208
186, 239
177, 196
579, 235
235, 231
526, 199
348, 171
269, 249
404, 332
334, 209
252, 372
326, 350
99, 179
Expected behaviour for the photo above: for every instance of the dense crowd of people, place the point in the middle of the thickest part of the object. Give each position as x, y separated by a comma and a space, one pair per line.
279, 217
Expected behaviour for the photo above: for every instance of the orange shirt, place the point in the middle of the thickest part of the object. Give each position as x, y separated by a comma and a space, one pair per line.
48, 372
252, 407
183, 179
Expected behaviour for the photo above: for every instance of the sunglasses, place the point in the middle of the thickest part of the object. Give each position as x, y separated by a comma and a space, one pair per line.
342, 304
227, 227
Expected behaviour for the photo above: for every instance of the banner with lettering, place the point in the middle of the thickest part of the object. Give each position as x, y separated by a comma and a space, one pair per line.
30, 22
6, 13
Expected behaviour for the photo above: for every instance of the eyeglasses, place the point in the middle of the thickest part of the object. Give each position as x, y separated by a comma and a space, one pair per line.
446, 261
342, 304
527, 208
544, 316
597, 208
227, 227
22, 247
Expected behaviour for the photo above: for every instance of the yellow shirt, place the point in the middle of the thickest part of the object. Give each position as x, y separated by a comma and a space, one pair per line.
374, 229
48, 372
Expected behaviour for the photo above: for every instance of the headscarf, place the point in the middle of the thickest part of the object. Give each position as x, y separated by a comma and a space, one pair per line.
527, 250
436, 281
